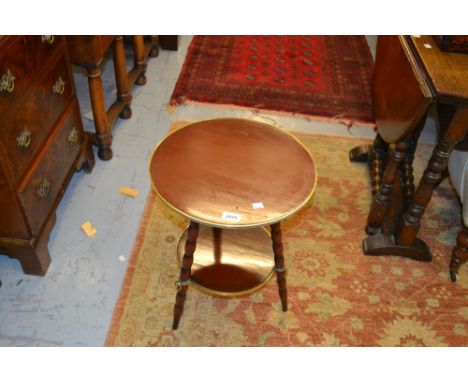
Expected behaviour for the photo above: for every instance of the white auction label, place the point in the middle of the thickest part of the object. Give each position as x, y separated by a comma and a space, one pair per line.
257, 206
231, 216
428, 46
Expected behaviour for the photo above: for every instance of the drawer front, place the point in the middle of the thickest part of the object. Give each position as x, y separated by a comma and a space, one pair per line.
15, 72
55, 91
28, 127
43, 48
45, 183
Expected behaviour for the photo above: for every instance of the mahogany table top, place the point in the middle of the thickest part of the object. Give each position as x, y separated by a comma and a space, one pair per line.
233, 173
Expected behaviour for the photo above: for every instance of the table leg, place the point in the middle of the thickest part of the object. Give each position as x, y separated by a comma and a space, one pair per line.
103, 136
407, 176
217, 244
280, 267
185, 271
459, 253
412, 218
139, 59
120, 70
387, 207
381, 199
154, 52
454, 132
377, 158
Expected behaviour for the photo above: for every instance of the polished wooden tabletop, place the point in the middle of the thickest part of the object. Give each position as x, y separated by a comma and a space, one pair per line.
233, 173
447, 71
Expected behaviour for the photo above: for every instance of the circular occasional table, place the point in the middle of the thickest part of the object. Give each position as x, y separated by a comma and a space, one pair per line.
223, 175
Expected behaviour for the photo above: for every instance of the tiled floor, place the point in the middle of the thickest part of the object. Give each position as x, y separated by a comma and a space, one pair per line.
73, 304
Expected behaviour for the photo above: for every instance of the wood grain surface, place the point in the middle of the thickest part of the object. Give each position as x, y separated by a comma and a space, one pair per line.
223, 166
401, 92
447, 71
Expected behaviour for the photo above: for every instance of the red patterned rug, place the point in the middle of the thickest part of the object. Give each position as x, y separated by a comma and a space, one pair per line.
321, 76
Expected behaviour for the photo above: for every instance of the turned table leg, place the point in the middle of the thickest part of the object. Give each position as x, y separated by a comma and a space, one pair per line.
459, 253
103, 136
377, 158
381, 200
120, 70
407, 176
280, 267
431, 178
139, 59
454, 132
185, 272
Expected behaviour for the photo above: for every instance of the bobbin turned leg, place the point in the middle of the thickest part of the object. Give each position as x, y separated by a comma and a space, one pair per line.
421, 197
280, 268
407, 176
185, 271
459, 253
377, 159
381, 200
454, 132
386, 209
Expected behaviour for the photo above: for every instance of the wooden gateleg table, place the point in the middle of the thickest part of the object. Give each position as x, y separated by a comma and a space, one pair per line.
231, 178
411, 74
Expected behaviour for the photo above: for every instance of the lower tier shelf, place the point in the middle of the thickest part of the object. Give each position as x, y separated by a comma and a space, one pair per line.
230, 262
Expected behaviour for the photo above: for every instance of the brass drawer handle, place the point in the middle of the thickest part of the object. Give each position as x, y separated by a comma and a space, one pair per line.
7, 82
24, 138
48, 39
73, 135
44, 189
59, 86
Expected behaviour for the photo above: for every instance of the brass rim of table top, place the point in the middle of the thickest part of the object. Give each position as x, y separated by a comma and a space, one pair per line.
234, 226
227, 295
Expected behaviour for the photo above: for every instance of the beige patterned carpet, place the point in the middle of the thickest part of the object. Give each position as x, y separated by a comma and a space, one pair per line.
337, 296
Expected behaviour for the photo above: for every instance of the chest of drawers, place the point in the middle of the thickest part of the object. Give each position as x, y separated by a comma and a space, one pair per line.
42, 144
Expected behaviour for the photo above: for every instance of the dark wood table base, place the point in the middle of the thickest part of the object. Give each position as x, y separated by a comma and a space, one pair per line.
402, 240
410, 77
384, 245
392, 190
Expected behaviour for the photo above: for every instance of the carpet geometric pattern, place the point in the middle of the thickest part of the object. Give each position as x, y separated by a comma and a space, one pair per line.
337, 296
328, 77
